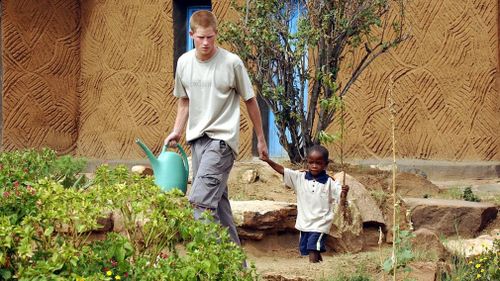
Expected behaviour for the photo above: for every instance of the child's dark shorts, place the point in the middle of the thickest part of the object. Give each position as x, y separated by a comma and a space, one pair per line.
311, 241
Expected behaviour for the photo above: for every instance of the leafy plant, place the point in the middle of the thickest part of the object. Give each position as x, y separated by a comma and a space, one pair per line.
160, 239
468, 195
485, 266
403, 252
316, 48
24, 167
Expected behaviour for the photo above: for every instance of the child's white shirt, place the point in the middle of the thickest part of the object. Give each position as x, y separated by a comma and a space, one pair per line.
314, 201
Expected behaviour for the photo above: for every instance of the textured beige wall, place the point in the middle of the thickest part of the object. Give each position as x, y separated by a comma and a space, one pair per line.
444, 80
40, 74
444, 87
127, 75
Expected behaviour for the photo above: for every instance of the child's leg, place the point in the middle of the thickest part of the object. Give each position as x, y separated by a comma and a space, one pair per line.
316, 245
315, 256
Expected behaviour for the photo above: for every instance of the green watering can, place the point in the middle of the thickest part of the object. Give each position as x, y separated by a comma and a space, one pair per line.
170, 169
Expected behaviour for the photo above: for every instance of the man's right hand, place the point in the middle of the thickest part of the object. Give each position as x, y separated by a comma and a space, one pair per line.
172, 139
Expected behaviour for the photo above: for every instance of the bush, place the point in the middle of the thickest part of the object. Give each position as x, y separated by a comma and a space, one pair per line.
45, 229
27, 166
485, 266
468, 195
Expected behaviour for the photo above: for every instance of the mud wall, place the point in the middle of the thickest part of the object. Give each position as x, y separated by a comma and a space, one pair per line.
41, 67
445, 88
91, 77
127, 75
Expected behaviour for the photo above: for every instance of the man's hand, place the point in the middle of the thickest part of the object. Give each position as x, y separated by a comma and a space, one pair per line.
172, 139
262, 149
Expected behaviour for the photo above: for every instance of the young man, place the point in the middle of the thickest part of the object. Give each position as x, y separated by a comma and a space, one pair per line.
316, 192
209, 83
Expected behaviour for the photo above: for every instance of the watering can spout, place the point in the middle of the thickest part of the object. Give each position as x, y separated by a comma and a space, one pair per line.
148, 152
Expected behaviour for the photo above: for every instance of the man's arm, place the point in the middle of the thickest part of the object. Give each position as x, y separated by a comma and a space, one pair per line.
254, 113
180, 122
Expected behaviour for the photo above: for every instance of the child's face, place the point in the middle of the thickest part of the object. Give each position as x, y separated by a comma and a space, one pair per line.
315, 163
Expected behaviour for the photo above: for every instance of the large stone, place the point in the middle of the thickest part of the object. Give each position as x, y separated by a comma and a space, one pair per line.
368, 208
412, 185
450, 217
425, 271
255, 219
470, 247
142, 170
249, 176
427, 241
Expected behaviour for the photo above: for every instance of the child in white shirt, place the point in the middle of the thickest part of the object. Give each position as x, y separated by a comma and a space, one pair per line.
316, 193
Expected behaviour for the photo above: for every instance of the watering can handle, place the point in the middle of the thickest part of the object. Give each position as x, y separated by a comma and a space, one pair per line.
185, 160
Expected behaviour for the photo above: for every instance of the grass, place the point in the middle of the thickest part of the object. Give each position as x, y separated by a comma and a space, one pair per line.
451, 193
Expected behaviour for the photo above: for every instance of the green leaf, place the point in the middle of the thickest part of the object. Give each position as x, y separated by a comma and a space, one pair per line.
48, 231
387, 266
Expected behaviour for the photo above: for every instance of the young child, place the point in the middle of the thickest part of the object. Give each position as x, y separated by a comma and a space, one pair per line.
316, 192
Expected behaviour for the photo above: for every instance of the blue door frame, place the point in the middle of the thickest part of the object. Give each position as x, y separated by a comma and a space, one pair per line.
189, 13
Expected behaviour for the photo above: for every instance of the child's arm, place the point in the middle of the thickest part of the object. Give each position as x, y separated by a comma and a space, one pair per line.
277, 167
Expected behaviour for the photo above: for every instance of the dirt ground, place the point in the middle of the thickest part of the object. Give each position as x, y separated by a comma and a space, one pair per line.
277, 258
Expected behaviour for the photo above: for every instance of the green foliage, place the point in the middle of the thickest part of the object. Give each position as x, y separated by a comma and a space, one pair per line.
403, 252
329, 38
485, 266
468, 195
26, 166
45, 229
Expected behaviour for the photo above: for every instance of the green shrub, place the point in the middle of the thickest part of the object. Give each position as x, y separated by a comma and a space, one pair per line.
485, 266
468, 195
160, 239
27, 166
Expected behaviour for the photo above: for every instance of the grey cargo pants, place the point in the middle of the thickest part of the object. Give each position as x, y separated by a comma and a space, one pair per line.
212, 161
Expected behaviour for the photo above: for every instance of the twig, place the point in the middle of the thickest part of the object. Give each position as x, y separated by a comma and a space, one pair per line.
392, 111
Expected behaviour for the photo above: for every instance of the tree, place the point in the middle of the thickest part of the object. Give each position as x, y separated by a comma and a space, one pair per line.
318, 47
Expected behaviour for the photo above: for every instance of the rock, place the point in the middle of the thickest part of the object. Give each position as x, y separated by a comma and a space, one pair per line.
427, 241
368, 208
345, 242
412, 185
346, 236
495, 233
249, 176
106, 223
271, 276
142, 170
470, 247
263, 217
426, 271
450, 217
118, 222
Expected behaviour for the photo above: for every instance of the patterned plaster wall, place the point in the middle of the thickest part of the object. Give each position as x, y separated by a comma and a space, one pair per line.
127, 75
40, 74
447, 101
91, 77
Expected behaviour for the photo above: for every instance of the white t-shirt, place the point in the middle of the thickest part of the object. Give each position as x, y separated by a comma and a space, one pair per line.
214, 88
314, 201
